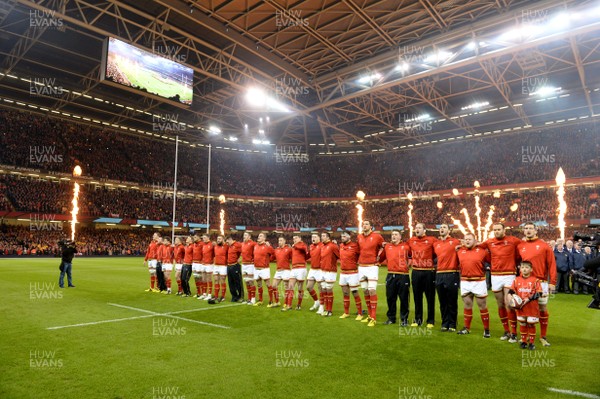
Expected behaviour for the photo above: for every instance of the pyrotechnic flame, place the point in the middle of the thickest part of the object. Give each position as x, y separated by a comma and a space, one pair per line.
440, 205
359, 216
514, 207
454, 191
562, 204
478, 215
468, 220
221, 199
489, 222
360, 195
75, 202
410, 196
476, 184
410, 219
222, 225
458, 224
496, 194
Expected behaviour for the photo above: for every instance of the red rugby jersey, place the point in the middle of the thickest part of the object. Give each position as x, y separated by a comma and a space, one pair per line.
396, 256
179, 253
422, 252
369, 247
220, 254
168, 254
151, 252
197, 254
233, 253
330, 253
299, 255
189, 252
526, 288
263, 254
208, 253
447, 259
349, 254
248, 252
504, 254
283, 257
541, 256
315, 255
471, 262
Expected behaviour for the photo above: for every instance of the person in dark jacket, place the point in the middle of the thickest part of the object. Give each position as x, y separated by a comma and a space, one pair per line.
563, 267
68, 251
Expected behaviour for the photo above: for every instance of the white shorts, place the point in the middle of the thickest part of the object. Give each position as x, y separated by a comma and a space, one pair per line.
502, 281
262, 273
282, 275
196, 267
370, 273
528, 319
152, 264
178, 267
477, 288
167, 267
248, 269
543, 300
206, 268
315, 274
329, 277
349, 279
220, 270
298, 273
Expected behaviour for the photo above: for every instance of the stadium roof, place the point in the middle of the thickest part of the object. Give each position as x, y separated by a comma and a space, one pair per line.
348, 76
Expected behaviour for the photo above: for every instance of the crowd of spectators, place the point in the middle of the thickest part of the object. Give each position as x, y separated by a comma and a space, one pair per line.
104, 153
30, 240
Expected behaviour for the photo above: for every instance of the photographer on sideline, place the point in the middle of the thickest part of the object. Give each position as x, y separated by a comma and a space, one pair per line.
68, 251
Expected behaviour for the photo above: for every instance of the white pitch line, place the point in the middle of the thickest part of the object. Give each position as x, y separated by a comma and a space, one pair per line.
151, 314
169, 315
98, 322
574, 393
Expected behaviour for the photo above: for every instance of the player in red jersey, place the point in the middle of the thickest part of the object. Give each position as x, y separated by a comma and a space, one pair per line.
179, 255
447, 277
248, 267
504, 256
197, 266
529, 289
423, 274
208, 257
315, 275
234, 270
472, 283
298, 274
349, 274
330, 253
167, 262
397, 283
541, 257
186, 269
369, 244
283, 258
220, 269
150, 261
263, 255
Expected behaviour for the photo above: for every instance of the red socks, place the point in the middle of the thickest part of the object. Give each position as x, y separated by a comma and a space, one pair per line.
358, 304
313, 294
544, 323
373, 306
346, 304
512, 321
531, 330
503, 318
485, 318
468, 315
152, 281
300, 297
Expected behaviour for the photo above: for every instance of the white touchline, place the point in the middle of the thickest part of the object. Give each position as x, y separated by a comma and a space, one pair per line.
575, 393
151, 314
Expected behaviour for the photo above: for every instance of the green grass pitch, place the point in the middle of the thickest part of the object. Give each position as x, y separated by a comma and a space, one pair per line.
265, 353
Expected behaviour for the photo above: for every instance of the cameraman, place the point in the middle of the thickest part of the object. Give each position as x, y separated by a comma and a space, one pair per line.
68, 251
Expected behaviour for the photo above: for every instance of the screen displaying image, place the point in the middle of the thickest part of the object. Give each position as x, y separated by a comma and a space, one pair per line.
130, 66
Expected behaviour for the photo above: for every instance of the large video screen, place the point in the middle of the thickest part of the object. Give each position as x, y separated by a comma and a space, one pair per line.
133, 67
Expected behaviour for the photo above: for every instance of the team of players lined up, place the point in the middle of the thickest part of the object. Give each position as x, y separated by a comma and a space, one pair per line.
444, 264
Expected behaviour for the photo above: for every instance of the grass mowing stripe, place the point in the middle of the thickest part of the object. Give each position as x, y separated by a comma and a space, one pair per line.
574, 393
